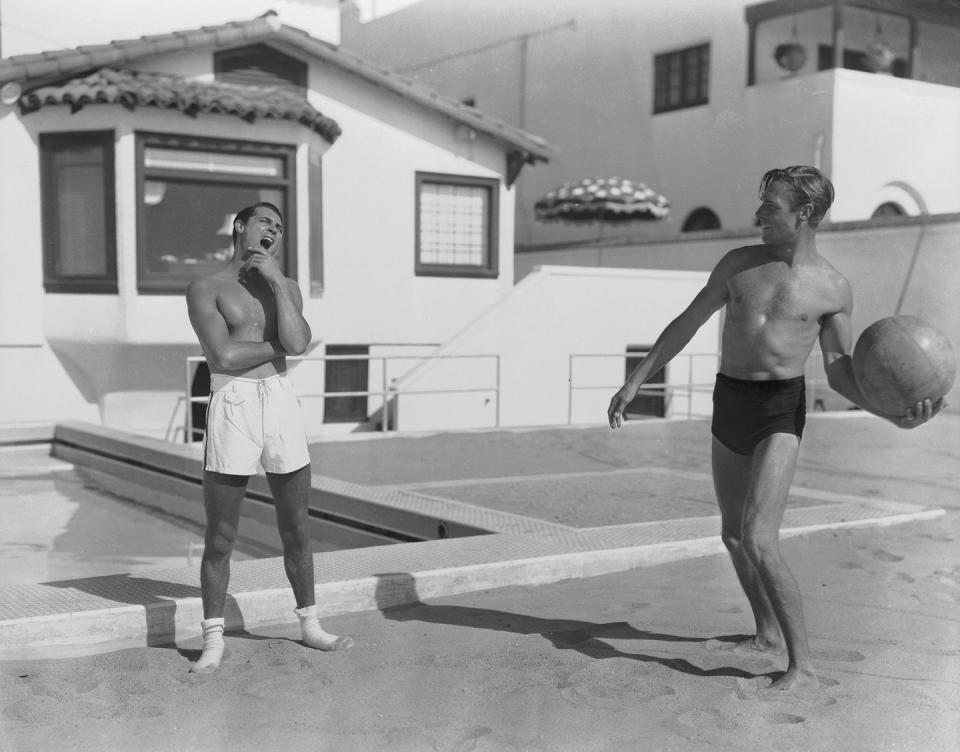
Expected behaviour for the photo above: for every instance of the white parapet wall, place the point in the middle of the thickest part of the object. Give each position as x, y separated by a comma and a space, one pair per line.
557, 323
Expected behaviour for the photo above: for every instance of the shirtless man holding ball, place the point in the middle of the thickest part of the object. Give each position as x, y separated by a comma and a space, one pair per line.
248, 318
780, 297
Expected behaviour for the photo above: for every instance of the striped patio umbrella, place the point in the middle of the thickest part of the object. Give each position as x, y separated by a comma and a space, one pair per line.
602, 199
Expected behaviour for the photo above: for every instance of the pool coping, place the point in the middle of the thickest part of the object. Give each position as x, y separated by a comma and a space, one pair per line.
114, 611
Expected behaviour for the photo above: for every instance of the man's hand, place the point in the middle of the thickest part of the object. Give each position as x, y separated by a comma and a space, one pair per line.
619, 403
262, 262
919, 413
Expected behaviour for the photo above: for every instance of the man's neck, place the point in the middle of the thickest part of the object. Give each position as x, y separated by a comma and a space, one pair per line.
800, 249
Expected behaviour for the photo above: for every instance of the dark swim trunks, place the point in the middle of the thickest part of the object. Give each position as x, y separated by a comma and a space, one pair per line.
747, 412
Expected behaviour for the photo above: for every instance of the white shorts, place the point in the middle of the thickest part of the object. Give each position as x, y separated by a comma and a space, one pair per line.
251, 422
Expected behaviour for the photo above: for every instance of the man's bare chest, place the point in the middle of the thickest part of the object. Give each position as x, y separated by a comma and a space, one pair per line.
246, 307
779, 298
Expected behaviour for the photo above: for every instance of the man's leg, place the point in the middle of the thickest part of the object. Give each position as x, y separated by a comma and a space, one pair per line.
731, 481
775, 460
291, 496
222, 496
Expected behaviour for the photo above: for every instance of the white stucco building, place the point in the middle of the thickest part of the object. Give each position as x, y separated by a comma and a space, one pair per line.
123, 163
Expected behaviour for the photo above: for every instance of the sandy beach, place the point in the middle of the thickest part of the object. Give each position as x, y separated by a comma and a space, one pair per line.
632, 661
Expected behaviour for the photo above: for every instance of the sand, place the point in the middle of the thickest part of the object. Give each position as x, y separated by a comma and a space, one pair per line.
632, 661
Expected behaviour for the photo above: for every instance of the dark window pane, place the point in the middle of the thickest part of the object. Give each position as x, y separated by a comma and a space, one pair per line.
346, 376
80, 220
78, 212
190, 190
188, 225
260, 65
681, 78
654, 405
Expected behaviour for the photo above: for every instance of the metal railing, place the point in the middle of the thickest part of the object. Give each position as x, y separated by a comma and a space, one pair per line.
665, 390
668, 391
387, 393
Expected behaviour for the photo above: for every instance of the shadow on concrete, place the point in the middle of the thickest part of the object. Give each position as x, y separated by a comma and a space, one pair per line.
158, 597
397, 599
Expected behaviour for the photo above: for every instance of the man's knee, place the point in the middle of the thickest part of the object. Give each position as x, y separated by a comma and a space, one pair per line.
219, 541
295, 536
732, 540
761, 546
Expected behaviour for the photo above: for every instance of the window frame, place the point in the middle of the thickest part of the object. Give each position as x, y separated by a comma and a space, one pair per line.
54, 282
153, 284
687, 78
491, 268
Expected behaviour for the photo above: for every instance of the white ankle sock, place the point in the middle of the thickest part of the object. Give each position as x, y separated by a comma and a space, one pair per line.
313, 634
213, 647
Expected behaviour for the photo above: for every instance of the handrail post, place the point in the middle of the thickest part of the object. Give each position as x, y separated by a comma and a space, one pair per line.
570, 390
188, 408
385, 423
497, 357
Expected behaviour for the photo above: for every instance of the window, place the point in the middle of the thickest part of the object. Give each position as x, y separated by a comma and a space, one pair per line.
346, 376
456, 225
646, 403
681, 78
79, 212
889, 209
188, 192
259, 65
701, 219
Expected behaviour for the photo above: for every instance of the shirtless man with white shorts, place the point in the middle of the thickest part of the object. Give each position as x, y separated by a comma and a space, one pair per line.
248, 317
780, 297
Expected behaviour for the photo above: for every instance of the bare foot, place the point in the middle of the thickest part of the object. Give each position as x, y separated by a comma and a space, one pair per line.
757, 644
748, 646
794, 678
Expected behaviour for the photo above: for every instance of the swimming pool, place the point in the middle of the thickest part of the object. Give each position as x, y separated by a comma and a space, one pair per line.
56, 523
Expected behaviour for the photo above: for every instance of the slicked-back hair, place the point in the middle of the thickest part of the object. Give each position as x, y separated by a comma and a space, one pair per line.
243, 216
808, 186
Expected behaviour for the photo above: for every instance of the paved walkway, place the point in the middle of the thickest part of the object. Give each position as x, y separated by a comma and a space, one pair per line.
571, 636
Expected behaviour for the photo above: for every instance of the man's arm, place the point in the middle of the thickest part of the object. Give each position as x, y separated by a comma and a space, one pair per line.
835, 342
223, 353
674, 338
293, 331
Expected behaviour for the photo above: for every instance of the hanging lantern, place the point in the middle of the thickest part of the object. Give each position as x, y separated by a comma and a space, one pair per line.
791, 56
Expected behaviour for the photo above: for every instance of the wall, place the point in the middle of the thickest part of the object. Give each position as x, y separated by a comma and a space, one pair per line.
588, 89
875, 256
585, 88
553, 313
912, 158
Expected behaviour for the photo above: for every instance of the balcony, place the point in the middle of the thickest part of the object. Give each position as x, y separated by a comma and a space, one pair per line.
870, 89
913, 39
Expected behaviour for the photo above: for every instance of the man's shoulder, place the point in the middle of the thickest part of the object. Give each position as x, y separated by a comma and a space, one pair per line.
736, 258
212, 284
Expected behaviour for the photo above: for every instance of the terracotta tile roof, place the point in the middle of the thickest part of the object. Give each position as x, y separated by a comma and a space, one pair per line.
51, 67
132, 89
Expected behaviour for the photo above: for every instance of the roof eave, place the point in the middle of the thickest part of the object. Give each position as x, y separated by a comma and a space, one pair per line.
42, 69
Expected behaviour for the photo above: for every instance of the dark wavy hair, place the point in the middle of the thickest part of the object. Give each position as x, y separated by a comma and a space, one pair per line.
808, 185
244, 215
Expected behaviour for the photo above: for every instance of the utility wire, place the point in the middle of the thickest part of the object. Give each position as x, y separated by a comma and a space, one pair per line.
571, 24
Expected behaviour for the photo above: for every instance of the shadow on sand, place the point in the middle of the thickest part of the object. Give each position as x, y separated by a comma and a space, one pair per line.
398, 600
